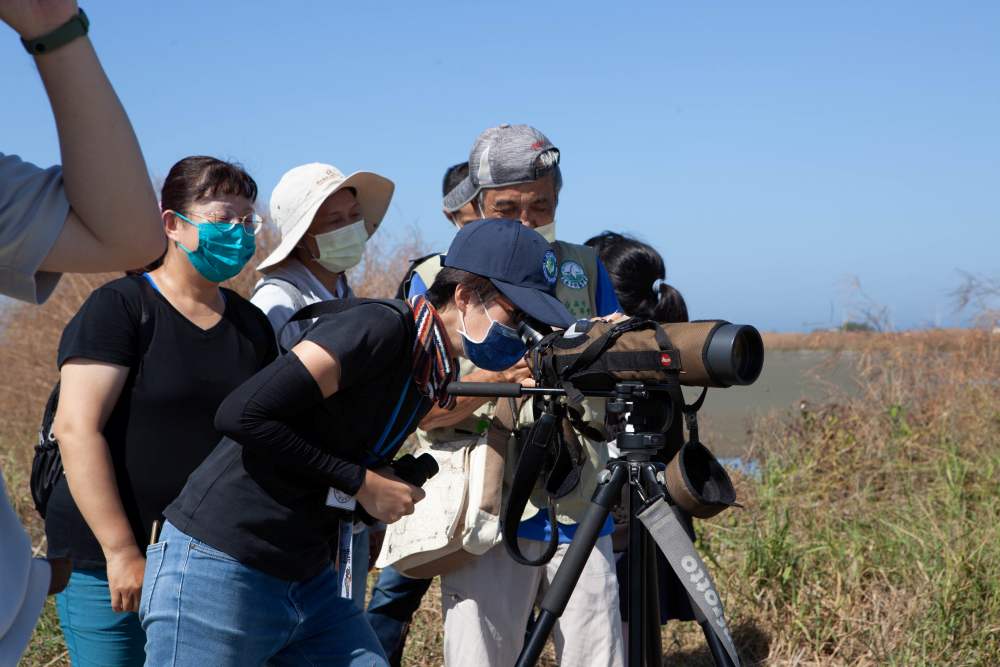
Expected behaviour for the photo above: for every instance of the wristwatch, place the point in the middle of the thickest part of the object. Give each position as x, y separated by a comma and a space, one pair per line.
61, 36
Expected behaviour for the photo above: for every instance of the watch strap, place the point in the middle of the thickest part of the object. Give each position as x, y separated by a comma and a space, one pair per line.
77, 26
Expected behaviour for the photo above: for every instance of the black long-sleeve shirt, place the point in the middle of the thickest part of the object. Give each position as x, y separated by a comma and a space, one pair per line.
261, 495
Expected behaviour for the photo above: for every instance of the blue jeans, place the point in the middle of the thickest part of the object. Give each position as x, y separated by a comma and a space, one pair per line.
394, 599
95, 635
202, 607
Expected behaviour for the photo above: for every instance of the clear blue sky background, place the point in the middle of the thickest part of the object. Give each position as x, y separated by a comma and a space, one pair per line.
769, 152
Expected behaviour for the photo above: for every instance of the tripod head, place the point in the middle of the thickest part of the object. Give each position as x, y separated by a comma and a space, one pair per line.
645, 410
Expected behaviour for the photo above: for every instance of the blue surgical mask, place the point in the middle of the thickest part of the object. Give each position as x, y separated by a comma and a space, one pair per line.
498, 350
221, 252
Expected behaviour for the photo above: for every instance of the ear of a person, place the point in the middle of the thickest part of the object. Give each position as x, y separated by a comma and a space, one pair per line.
171, 224
463, 297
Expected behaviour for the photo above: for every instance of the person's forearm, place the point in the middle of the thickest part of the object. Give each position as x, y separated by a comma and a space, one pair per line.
91, 477
465, 406
104, 172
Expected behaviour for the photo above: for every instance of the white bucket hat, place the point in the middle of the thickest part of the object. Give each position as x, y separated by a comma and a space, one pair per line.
23, 584
302, 190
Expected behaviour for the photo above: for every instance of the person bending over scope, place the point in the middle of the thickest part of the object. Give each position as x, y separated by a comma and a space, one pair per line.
243, 575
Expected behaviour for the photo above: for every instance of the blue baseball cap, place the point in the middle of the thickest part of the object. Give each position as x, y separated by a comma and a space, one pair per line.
517, 260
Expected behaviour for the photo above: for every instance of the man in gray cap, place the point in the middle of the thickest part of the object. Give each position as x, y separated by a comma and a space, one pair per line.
514, 173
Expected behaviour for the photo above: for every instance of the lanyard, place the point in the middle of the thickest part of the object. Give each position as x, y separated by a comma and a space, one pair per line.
345, 557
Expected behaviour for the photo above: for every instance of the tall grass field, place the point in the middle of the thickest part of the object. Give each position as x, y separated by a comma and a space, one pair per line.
871, 535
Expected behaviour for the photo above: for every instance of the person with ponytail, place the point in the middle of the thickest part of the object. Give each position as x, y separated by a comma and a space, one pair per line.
639, 278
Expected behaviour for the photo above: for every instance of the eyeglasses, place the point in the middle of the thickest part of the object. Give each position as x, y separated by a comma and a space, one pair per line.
251, 223
516, 315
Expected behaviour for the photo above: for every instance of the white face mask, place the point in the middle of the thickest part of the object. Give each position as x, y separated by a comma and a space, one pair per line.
548, 231
342, 248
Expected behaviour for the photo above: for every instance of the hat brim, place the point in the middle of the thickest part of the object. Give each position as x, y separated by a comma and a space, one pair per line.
537, 304
15, 641
460, 195
374, 193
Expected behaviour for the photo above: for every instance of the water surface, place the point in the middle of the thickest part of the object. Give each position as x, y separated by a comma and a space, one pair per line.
788, 378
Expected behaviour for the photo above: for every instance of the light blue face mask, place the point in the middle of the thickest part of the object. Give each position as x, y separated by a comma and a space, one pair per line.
221, 253
498, 350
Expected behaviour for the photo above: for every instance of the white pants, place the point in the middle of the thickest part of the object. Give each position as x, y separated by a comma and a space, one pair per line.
487, 603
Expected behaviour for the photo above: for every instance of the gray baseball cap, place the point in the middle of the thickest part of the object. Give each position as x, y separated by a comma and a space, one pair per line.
503, 155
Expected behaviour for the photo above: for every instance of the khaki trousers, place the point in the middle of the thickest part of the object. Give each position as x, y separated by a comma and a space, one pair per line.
487, 603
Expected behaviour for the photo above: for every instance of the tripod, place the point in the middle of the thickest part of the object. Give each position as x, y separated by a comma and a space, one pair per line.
652, 521
635, 470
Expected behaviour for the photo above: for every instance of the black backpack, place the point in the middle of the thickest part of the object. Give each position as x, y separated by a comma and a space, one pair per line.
46, 467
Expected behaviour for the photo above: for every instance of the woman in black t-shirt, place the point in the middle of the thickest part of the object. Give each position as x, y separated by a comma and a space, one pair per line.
144, 365
242, 575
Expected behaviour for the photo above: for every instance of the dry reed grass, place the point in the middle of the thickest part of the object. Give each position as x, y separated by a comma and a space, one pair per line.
872, 536
943, 339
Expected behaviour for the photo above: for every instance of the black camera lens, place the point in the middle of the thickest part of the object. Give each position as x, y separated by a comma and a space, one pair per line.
735, 354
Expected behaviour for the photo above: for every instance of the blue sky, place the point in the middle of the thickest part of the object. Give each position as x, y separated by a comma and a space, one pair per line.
769, 152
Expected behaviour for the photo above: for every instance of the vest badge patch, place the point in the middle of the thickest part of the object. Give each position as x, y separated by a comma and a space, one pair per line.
573, 275
549, 265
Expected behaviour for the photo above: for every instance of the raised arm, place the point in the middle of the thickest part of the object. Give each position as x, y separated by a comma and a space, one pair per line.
114, 221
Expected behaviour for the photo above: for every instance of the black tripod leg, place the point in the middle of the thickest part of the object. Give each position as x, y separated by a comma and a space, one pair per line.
587, 531
719, 654
652, 643
643, 608
646, 646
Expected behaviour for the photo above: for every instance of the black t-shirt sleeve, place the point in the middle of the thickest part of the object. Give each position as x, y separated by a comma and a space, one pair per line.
104, 329
366, 340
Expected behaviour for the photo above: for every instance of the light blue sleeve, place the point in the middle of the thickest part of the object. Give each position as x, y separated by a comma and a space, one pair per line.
279, 308
607, 301
417, 286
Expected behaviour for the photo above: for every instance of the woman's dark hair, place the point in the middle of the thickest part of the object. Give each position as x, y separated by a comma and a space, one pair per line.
442, 289
200, 176
638, 274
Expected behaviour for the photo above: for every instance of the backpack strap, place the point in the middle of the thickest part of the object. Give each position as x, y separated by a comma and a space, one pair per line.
139, 288
335, 306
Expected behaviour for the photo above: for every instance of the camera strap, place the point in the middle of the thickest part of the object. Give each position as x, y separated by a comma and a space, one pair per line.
667, 529
691, 414
529, 466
